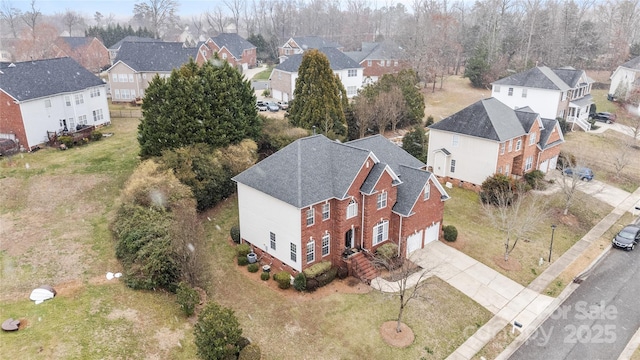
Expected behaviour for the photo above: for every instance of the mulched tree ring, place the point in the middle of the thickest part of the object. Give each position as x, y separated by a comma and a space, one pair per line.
400, 339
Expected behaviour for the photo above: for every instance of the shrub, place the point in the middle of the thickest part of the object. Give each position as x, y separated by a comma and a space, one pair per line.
327, 277
265, 276
429, 121
96, 136
284, 279
450, 233
67, 141
235, 234
253, 267
387, 251
343, 272
217, 332
535, 179
300, 282
317, 269
312, 285
187, 298
250, 352
566, 160
496, 189
242, 250
243, 261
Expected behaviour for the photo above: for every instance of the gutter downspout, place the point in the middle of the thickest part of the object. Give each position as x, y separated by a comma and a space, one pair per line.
362, 225
400, 235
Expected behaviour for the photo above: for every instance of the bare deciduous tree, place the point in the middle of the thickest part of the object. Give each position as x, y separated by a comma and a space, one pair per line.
10, 16
216, 19
407, 280
31, 18
236, 7
516, 213
622, 158
71, 19
158, 14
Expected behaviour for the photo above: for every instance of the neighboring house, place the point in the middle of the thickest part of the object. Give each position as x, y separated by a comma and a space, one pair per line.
488, 137
284, 75
49, 96
379, 58
138, 63
115, 48
300, 44
235, 50
553, 93
87, 51
625, 79
321, 200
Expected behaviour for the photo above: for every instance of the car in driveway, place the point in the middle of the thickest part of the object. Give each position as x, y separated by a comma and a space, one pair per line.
582, 173
8, 147
284, 105
605, 117
627, 238
261, 106
273, 107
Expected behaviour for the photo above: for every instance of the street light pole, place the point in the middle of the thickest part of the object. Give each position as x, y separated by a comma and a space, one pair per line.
553, 230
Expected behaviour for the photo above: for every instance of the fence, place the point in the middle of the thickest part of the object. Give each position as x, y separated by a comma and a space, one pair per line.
126, 113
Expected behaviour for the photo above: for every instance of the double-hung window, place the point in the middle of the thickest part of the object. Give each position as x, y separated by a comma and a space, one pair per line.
352, 209
510, 92
326, 240
532, 138
352, 72
79, 99
380, 232
382, 200
326, 211
528, 163
311, 251
453, 166
293, 249
272, 240
427, 191
518, 144
310, 217
502, 147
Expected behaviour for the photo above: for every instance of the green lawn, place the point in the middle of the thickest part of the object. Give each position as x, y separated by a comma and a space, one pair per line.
264, 74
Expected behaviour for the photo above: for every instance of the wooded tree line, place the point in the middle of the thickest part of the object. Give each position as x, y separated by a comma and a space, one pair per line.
439, 35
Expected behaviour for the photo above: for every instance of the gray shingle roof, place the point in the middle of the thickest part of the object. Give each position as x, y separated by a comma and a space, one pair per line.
549, 125
632, 64
413, 181
314, 42
315, 169
233, 42
487, 119
75, 42
155, 56
35, 79
571, 76
540, 77
117, 45
527, 117
385, 50
337, 60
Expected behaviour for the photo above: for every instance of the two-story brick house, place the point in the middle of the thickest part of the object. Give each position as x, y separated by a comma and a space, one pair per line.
49, 96
139, 62
489, 137
284, 75
87, 51
232, 48
553, 93
321, 200
380, 58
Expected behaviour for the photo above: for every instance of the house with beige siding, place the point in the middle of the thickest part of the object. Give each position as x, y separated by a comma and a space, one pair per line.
138, 63
489, 137
625, 79
284, 75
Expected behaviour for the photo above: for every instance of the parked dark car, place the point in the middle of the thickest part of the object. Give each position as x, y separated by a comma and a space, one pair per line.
261, 106
8, 147
627, 238
605, 117
583, 173
273, 106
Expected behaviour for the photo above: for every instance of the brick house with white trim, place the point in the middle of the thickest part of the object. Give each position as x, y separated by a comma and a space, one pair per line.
321, 200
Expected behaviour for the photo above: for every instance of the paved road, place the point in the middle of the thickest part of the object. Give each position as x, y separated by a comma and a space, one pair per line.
597, 320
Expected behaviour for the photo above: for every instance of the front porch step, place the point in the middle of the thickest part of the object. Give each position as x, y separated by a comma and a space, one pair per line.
364, 269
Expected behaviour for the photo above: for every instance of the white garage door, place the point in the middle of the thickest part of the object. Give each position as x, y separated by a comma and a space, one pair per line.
553, 162
544, 166
414, 242
432, 233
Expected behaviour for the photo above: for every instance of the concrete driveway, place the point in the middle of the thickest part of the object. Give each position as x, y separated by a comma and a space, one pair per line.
598, 189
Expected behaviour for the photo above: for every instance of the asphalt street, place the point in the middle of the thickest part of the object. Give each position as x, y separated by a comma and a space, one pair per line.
597, 320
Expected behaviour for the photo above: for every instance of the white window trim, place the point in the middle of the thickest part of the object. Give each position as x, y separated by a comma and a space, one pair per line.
532, 138
272, 240
326, 239
381, 232
311, 217
352, 209
293, 252
427, 191
326, 211
518, 144
311, 251
381, 200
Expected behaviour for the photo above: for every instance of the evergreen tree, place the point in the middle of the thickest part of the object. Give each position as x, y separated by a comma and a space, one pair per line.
478, 66
319, 97
217, 333
112, 34
416, 143
210, 104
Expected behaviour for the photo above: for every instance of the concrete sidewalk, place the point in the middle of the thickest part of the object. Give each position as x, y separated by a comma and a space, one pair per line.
509, 301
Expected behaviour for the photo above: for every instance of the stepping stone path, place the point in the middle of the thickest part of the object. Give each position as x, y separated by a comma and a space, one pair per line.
11, 325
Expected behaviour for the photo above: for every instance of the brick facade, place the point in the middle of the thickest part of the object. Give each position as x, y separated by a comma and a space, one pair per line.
11, 119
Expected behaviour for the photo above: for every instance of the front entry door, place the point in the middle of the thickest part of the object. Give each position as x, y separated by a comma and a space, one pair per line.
348, 239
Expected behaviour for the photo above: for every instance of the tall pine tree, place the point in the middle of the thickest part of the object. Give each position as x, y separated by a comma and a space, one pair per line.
319, 97
210, 104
